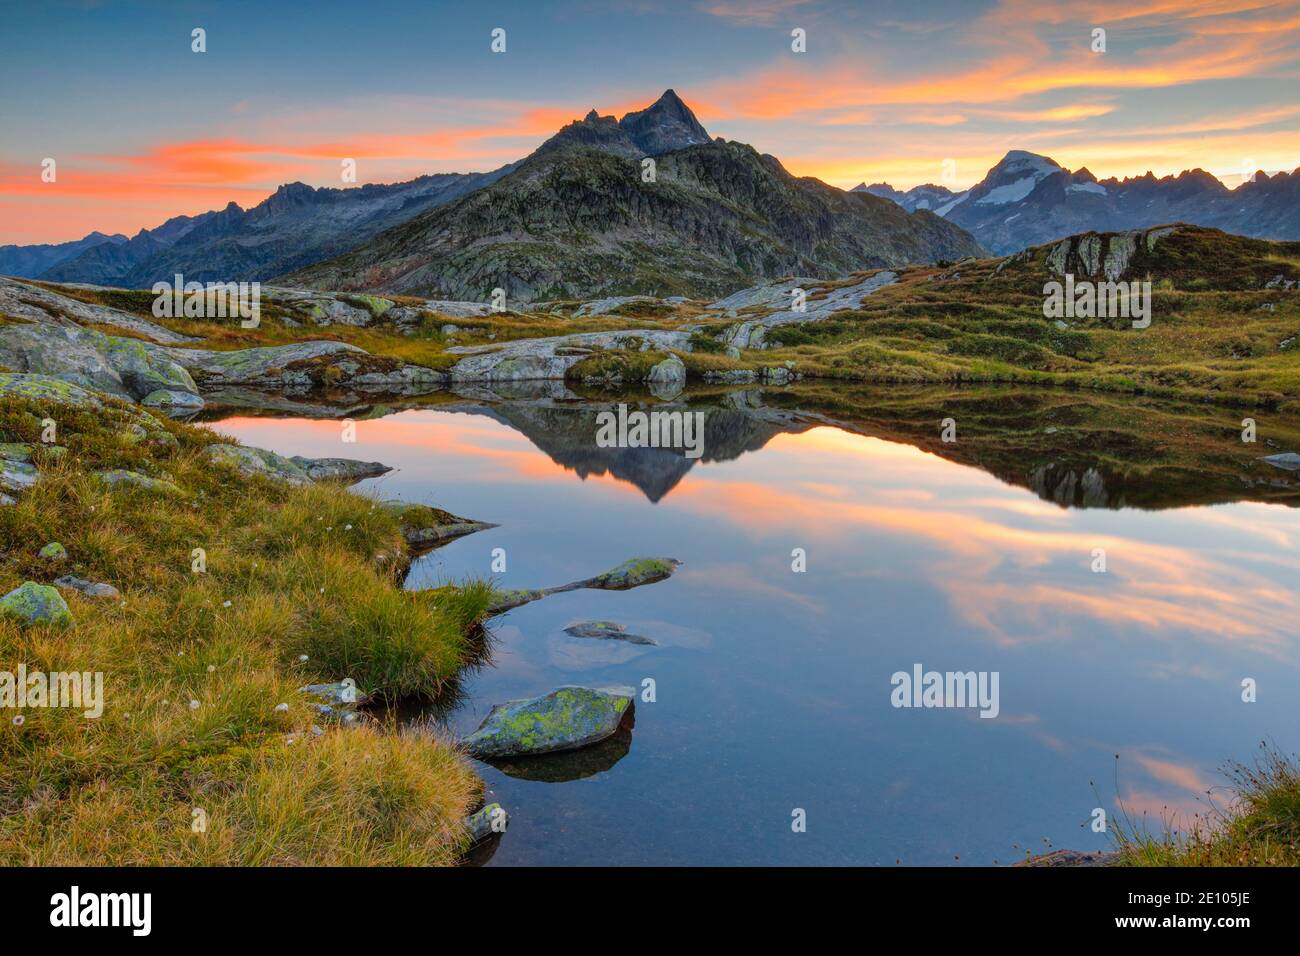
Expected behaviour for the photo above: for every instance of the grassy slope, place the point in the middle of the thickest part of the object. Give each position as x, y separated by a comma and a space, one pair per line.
120, 789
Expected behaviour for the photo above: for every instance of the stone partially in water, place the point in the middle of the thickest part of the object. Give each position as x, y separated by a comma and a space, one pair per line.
605, 631
339, 469
480, 824
564, 719
34, 603
629, 574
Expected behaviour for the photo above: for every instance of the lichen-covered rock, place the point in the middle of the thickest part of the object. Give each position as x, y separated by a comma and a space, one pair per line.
89, 588
605, 631
120, 476
54, 551
258, 461
490, 820
46, 388
34, 603
667, 379
17, 475
564, 719
172, 398
339, 469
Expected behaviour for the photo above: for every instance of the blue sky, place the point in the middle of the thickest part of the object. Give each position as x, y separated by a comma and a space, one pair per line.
142, 128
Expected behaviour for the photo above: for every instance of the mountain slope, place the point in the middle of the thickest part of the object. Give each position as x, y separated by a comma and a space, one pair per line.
1028, 199
30, 261
578, 221
295, 226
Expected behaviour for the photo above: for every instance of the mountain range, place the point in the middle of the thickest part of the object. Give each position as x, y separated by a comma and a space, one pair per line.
1028, 199
577, 218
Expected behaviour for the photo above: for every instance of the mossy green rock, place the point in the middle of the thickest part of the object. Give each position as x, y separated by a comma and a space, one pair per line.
480, 826
54, 551
120, 476
629, 574
34, 603
564, 719
15, 451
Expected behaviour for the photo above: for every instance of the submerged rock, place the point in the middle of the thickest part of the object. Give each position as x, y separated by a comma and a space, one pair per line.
605, 631
564, 719
88, 588
34, 603
629, 574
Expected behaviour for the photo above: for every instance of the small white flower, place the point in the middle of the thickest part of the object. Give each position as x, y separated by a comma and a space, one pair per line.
211, 668
281, 708
194, 705
302, 658
225, 604
19, 720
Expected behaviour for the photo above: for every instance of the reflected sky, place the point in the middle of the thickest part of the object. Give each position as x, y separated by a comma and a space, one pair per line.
773, 687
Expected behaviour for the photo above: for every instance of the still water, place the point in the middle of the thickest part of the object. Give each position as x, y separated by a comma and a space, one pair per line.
773, 686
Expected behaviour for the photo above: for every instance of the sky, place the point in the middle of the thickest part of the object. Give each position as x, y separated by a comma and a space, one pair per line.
141, 127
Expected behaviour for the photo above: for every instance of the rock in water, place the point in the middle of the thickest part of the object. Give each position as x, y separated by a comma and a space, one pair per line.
1288, 460
480, 825
34, 603
605, 631
564, 719
629, 574
339, 469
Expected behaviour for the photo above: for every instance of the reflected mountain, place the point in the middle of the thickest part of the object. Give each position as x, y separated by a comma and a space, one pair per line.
1076, 449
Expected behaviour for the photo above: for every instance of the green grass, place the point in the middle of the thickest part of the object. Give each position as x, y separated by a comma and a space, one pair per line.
312, 571
1257, 823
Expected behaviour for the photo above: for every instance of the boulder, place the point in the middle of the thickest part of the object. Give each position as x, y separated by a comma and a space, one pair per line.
54, 551
564, 719
33, 603
343, 469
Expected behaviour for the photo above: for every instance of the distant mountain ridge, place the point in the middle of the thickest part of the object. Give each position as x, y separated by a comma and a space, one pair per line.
28, 262
577, 219
1027, 199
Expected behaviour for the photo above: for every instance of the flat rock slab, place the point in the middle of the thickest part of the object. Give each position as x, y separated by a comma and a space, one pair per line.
88, 588
564, 719
605, 631
339, 469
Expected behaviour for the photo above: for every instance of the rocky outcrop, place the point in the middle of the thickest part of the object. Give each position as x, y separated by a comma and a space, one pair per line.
822, 301
552, 357
249, 461
565, 719
125, 367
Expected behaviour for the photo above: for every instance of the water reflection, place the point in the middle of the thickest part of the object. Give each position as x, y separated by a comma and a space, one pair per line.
773, 684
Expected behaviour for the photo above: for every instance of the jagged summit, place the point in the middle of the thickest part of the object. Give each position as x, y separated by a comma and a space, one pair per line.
665, 125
